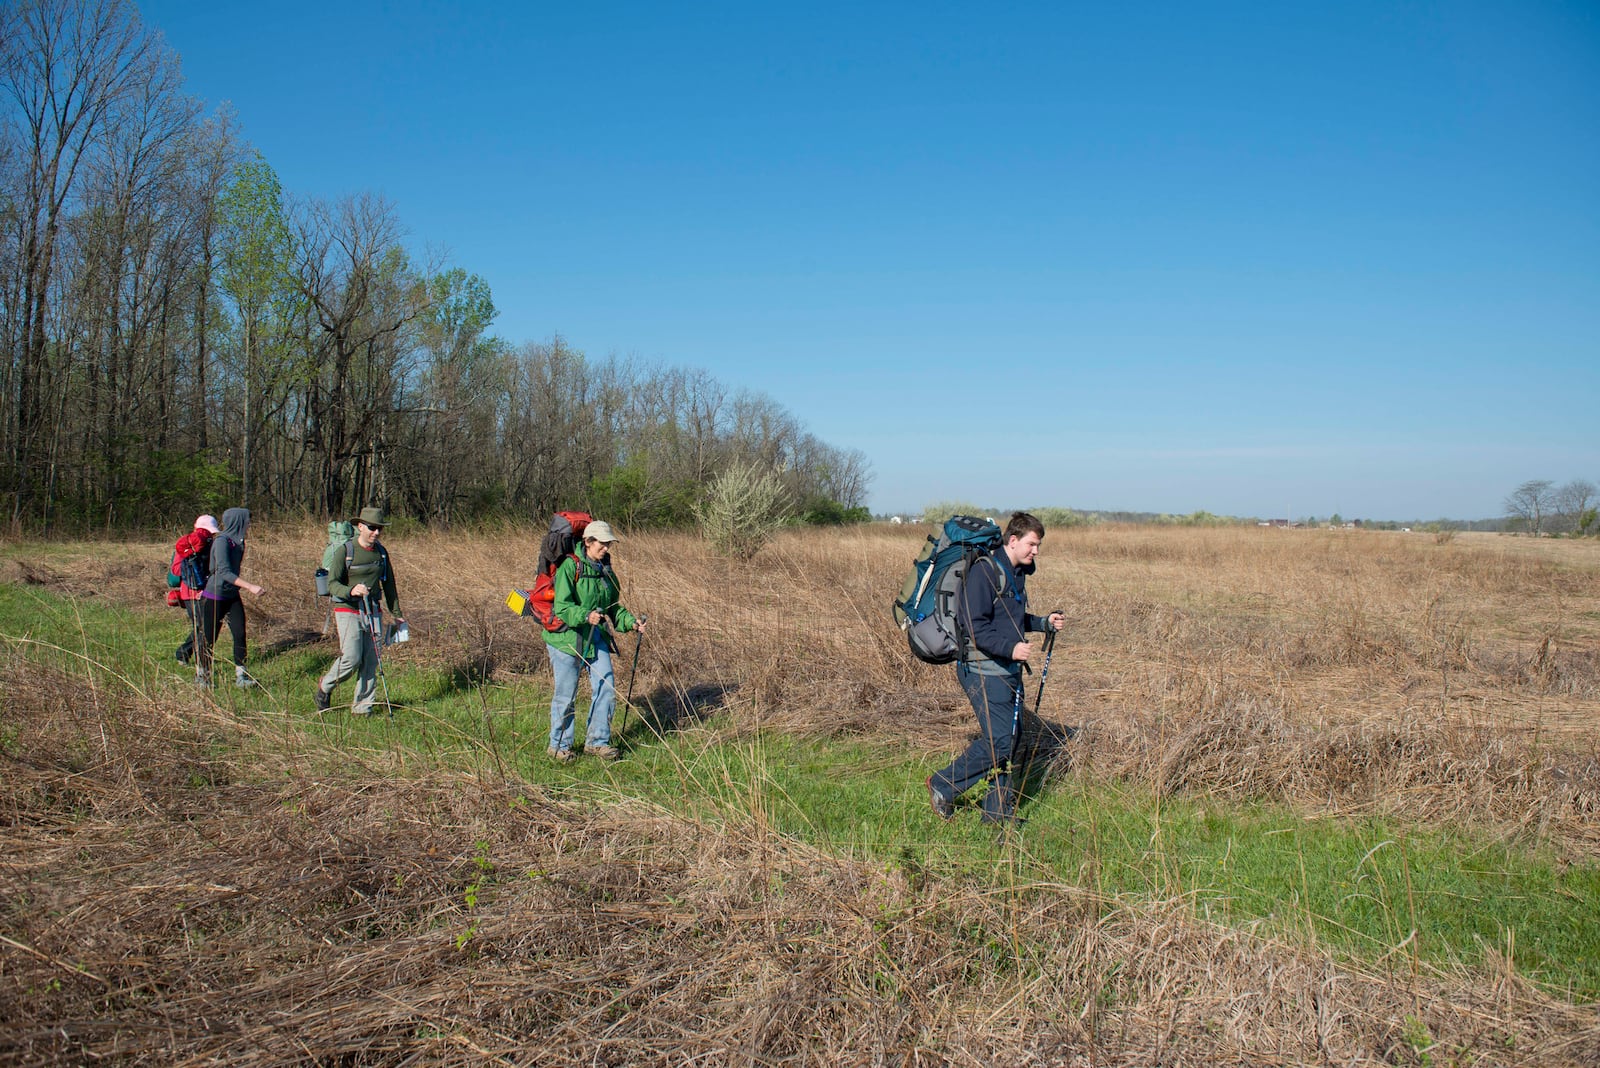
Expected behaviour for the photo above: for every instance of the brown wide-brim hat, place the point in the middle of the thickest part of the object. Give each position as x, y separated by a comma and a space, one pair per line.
373, 517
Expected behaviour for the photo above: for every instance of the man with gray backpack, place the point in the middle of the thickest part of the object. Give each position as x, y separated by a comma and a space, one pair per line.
359, 582
992, 625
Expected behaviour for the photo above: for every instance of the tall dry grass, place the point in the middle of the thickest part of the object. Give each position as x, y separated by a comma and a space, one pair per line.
162, 904
1340, 671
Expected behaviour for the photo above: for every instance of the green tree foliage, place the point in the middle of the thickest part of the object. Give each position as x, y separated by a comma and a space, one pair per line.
257, 250
823, 511
631, 496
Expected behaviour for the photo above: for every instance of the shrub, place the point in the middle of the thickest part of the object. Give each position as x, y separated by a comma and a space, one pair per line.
742, 508
824, 511
939, 511
1060, 518
631, 496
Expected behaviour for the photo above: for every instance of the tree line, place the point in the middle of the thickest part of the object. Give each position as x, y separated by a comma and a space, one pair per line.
1539, 506
180, 334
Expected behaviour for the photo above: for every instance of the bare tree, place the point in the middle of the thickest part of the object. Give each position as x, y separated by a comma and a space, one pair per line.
1574, 504
64, 64
1530, 503
361, 297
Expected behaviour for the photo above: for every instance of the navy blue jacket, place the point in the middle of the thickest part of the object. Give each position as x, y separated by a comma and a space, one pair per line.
994, 614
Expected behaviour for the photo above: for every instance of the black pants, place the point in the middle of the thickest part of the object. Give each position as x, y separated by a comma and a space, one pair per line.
995, 701
193, 610
212, 613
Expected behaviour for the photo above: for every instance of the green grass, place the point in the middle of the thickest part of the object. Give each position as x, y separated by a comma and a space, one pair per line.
1387, 894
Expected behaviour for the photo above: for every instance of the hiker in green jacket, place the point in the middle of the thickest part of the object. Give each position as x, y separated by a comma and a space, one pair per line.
587, 598
360, 582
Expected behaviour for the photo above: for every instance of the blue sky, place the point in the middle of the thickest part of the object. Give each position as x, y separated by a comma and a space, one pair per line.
1256, 259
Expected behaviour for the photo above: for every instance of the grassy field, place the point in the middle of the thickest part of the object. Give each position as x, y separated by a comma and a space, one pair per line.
1323, 797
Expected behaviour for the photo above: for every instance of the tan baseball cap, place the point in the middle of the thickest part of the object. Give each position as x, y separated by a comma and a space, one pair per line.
600, 530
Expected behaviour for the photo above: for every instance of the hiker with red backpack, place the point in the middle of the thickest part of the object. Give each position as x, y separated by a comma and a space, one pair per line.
191, 565
586, 610
993, 624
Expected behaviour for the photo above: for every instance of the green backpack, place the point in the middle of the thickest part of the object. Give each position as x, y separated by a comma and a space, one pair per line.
340, 532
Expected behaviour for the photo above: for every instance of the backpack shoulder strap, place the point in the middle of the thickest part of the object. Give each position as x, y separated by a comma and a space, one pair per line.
1000, 582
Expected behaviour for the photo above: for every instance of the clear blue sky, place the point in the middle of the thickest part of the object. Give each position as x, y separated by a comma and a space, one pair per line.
1257, 259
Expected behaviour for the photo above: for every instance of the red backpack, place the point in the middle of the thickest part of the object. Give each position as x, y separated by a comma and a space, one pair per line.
565, 530
190, 565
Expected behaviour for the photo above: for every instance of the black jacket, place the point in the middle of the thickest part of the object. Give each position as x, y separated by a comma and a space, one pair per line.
994, 614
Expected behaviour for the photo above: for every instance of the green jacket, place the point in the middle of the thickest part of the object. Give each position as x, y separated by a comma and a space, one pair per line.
580, 590
369, 566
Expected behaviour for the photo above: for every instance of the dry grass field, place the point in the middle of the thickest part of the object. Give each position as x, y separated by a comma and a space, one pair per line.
166, 900
1334, 669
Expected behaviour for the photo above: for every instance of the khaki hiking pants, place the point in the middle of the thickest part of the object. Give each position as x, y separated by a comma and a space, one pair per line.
356, 654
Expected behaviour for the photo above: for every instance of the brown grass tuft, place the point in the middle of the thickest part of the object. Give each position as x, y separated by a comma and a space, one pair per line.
162, 904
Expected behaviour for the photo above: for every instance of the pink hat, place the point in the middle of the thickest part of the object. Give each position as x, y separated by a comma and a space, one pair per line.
207, 522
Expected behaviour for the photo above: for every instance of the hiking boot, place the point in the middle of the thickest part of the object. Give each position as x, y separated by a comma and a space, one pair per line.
202, 678
324, 698
244, 682
604, 752
180, 656
942, 806
561, 756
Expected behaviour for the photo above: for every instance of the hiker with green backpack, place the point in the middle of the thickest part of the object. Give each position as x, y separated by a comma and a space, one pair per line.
360, 583
992, 626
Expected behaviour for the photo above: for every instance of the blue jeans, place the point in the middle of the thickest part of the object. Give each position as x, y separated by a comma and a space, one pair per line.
994, 701
563, 706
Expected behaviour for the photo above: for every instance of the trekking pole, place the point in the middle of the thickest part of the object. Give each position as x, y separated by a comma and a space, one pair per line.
616, 643
369, 623
1044, 672
1038, 702
195, 624
633, 672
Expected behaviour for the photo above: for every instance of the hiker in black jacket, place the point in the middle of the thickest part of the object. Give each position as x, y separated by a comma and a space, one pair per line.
221, 600
995, 624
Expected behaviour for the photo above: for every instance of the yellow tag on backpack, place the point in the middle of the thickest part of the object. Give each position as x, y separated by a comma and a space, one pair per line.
517, 601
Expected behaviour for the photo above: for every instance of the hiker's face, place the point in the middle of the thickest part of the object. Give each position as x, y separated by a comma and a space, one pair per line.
1022, 550
596, 550
366, 536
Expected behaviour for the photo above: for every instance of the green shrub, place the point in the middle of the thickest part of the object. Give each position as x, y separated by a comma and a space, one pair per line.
939, 511
742, 508
630, 496
1060, 518
823, 512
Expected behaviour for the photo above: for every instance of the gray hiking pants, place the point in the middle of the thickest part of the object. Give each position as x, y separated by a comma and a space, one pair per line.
357, 653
